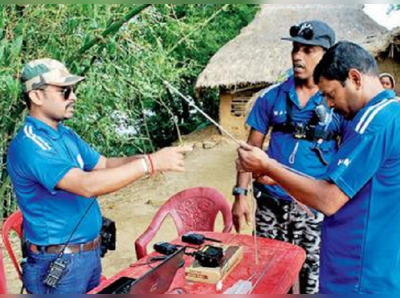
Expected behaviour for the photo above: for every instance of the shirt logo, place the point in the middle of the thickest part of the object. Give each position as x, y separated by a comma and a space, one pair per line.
80, 161
279, 113
346, 162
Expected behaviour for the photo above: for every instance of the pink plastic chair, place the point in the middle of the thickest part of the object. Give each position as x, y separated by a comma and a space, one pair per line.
193, 209
3, 282
12, 223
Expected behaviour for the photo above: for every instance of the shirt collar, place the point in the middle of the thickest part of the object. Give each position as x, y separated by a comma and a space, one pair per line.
290, 88
48, 130
385, 94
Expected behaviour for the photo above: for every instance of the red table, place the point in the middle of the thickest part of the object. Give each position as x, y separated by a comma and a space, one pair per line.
281, 261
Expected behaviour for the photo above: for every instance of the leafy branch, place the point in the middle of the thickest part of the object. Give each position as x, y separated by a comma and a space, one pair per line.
112, 29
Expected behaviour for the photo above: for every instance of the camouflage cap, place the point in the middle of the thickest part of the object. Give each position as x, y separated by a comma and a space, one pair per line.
42, 72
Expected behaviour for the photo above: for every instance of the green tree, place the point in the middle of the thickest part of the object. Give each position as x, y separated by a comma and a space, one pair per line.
124, 107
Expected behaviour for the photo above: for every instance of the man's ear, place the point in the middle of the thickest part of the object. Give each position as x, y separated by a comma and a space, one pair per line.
355, 77
36, 97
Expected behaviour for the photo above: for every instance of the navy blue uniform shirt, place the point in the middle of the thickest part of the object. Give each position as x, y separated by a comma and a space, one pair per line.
271, 109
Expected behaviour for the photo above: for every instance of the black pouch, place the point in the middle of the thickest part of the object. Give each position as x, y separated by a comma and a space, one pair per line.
108, 236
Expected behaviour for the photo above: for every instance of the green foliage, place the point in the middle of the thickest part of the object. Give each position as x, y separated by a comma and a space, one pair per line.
123, 106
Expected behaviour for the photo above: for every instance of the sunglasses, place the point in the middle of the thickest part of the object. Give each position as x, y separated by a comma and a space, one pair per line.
305, 31
65, 91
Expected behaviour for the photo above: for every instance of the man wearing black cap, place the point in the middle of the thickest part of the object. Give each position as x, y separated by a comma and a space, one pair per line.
304, 138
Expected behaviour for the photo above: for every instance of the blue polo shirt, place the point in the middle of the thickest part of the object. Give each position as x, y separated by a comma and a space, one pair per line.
38, 158
360, 250
271, 109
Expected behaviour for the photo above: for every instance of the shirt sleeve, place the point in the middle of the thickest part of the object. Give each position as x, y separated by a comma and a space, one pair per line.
90, 156
357, 162
44, 167
259, 115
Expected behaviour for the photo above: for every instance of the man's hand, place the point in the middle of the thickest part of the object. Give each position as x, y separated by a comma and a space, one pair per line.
240, 213
170, 159
252, 159
265, 180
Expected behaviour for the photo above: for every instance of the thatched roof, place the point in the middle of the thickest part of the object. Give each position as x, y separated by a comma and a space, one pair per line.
258, 56
385, 46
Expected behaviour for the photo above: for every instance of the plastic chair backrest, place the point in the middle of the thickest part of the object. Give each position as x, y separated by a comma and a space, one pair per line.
3, 282
12, 223
194, 209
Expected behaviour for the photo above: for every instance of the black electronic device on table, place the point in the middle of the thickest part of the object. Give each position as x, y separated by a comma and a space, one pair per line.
197, 239
165, 248
156, 281
210, 256
120, 286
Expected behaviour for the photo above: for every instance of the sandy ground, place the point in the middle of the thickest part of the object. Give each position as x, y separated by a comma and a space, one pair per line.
133, 207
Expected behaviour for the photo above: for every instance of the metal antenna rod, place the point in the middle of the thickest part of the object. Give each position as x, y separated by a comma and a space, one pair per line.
260, 277
192, 104
254, 219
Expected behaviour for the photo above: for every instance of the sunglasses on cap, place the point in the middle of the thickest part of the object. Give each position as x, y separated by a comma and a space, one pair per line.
305, 31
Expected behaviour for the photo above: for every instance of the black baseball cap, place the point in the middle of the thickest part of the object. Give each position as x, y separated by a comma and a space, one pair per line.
314, 33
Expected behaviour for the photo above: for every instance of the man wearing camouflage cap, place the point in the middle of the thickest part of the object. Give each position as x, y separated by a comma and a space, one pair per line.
57, 178
302, 139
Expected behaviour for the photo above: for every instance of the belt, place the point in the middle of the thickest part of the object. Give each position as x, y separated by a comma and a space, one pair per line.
69, 249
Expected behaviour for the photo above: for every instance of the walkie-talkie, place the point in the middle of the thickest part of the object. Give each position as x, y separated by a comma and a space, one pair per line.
165, 248
56, 271
197, 239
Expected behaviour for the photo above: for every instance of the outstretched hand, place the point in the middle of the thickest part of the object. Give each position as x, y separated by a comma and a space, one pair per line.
171, 159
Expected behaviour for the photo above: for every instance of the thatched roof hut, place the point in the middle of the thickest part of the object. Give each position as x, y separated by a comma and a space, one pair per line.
385, 46
258, 57
386, 49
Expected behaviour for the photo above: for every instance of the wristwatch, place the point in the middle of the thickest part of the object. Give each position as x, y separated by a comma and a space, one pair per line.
239, 191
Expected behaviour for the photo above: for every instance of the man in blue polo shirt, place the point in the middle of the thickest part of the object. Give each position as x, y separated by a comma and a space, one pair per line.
304, 137
57, 178
360, 192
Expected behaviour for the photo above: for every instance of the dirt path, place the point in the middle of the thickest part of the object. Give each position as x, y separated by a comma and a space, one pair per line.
134, 207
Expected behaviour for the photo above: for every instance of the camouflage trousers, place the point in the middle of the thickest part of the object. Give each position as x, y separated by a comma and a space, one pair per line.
286, 221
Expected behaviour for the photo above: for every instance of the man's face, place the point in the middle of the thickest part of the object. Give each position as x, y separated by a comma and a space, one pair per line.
58, 102
344, 99
305, 58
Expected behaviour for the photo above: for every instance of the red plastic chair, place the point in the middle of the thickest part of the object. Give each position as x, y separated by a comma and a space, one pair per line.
12, 223
3, 282
193, 209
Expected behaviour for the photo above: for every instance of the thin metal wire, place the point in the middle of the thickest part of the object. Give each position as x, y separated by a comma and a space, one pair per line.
192, 104
256, 255
261, 276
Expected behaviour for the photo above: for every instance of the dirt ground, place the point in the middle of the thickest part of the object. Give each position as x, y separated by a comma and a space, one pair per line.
133, 207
